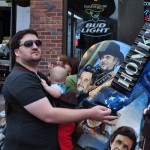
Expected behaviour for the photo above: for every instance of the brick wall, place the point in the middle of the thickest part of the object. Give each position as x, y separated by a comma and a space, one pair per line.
46, 19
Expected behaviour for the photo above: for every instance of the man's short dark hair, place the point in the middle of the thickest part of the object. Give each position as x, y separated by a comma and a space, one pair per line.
91, 69
125, 131
15, 42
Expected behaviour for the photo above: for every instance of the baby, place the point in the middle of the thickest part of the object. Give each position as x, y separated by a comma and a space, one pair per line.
58, 78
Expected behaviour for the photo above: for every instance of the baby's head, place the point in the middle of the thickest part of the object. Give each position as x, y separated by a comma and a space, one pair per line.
58, 75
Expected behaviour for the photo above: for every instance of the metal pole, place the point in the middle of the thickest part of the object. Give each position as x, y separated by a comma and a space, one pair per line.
12, 29
65, 27
72, 33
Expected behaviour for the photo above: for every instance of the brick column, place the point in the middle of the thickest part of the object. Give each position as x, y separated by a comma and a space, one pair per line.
46, 19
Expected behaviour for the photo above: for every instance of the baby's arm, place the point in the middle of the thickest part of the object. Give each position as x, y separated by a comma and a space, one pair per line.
52, 91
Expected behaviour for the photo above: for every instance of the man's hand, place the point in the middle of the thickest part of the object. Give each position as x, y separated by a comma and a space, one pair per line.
101, 113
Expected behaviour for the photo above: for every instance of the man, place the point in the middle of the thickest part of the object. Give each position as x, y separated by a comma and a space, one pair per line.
31, 119
124, 138
85, 79
109, 60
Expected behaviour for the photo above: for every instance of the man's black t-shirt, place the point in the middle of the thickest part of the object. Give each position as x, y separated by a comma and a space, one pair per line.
24, 131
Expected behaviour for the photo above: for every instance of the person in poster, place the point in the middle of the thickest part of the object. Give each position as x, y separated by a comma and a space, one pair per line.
123, 138
85, 79
108, 61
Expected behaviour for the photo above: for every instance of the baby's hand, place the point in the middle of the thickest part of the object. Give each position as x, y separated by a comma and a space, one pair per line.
44, 84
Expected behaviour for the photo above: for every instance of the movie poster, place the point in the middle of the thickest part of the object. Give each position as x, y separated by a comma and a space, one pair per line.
115, 75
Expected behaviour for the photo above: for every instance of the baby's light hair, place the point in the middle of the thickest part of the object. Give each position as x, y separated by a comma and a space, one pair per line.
58, 74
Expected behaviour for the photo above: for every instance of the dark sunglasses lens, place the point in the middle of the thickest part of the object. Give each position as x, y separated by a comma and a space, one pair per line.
38, 43
28, 43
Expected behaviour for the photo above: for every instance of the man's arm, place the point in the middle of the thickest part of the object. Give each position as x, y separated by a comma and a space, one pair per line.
43, 110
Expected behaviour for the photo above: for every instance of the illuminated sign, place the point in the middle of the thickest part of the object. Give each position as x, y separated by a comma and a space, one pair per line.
96, 29
94, 10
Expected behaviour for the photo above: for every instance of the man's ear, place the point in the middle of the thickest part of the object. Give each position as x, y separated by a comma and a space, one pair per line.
110, 144
16, 51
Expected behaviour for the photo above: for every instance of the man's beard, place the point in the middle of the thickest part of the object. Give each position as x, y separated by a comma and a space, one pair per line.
101, 70
33, 62
36, 61
104, 66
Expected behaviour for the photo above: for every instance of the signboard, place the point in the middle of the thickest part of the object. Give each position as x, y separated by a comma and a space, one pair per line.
95, 25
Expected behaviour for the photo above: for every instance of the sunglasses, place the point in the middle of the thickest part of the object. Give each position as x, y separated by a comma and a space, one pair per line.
29, 43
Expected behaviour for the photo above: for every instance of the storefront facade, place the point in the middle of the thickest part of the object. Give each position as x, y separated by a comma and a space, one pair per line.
67, 26
70, 27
